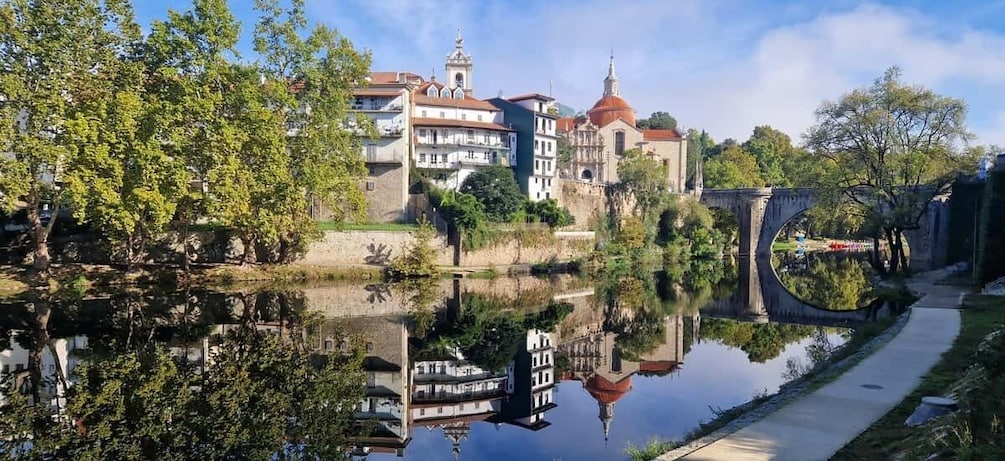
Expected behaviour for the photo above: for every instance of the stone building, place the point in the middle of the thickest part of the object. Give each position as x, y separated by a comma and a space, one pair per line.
600, 138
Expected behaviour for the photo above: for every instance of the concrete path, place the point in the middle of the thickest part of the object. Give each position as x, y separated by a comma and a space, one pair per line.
815, 426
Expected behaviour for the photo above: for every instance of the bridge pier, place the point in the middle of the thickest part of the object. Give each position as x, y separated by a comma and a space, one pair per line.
752, 220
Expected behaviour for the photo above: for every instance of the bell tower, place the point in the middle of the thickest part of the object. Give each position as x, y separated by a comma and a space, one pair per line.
458, 67
611, 84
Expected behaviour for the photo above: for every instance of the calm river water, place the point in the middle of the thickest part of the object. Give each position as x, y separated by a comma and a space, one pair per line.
529, 368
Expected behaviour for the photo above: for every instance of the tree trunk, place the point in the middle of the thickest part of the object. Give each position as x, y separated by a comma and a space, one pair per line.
901, 254
40, 233
248, 256
876, 257
39, 339
894, 250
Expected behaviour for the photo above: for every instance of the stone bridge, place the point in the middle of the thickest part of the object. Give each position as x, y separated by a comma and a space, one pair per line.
761, 297
763, 211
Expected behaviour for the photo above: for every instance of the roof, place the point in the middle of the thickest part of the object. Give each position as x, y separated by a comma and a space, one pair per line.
611, 108
469, 102
661, 135
387, 78
376, 91
656, 366
531, 96
565, 124
605, 391
448, 122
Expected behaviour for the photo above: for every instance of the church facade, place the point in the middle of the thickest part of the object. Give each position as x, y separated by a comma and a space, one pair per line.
599, 140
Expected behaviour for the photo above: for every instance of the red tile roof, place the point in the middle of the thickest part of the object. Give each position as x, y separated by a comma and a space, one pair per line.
419, 97
610, 108
420, 121
370, 91
565, 125
605, 391
661, 135
386, 78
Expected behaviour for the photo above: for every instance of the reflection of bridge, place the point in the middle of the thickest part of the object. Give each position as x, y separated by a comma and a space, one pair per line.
761, 297
763, 211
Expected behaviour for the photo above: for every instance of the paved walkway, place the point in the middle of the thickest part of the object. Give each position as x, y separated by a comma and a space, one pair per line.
815, 426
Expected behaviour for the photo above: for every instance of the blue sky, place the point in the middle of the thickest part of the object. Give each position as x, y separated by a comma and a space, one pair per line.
720, 65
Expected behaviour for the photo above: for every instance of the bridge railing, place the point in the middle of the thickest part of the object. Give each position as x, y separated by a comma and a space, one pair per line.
996, 287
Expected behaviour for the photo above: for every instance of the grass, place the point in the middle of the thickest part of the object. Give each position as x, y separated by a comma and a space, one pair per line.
778, 245
389, 227
889, 437
486, 274
11, 287
651, 450
293, 273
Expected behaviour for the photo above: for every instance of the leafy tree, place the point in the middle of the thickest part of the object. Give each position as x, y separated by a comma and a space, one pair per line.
658, 121
891, 148
733, 168
497, 190
772, 149
563, 156
57, 57
548, 211
644, 181
418, 258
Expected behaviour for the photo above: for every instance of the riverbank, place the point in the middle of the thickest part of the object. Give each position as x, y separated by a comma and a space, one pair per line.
855, 399
867, 339
889, 438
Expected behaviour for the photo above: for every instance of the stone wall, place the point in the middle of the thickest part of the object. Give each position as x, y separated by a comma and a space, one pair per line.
583, 200
563, 247
373, 248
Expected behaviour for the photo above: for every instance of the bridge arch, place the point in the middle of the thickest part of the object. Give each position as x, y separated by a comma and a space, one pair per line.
763, 211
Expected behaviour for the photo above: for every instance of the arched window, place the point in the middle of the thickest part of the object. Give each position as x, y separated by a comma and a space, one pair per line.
431, 92
444, 92
458, 93
619, 143
587, 175
459, 80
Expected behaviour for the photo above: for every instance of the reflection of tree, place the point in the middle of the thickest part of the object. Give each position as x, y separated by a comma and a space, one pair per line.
761, 341
829, 281
258, 395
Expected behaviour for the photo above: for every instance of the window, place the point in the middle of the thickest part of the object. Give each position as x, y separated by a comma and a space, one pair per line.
444, 93
479, 117
464, 116
444, 161
443, 114
431, 92
549, 165
459, 80
477, 405
537, 145
549, 146
370, 186
619, 143
422, 411
435, 159
439, 410
422, 132
488, 140
471, 135
537, 165
421, 370
422, 158
423, 112
458, 93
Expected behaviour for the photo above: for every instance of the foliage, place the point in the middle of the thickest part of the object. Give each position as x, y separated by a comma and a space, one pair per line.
651, 450
732, 169
643, 181
417, 258
990, 264
496, 189
890, 147
563, 155
61, 60
548, 211
657, 121
761, 341
831, 282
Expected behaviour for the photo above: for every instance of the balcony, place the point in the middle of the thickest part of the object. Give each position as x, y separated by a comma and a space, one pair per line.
384, 156
390, 131
465, 143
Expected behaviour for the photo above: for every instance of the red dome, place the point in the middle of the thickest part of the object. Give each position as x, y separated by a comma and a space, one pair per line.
609, 109
605, 391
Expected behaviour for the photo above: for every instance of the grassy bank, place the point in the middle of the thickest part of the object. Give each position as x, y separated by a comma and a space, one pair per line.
390, 227
888, 437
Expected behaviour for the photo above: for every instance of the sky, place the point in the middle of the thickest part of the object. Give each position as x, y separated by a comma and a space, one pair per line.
724, 66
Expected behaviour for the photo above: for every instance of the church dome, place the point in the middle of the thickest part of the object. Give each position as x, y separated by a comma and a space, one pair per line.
605, 391
610, 108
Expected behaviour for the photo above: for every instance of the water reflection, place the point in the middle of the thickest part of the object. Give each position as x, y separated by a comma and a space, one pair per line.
512, 368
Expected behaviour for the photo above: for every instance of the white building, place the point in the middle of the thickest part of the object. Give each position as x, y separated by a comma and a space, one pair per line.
534, 118
454, 132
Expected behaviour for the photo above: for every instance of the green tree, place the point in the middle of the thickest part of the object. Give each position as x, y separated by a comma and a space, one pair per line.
496, 188
56, 57
644, 181
733, 168
417, 258
892, 147
563, 156
772, 149
658, 121
548, 211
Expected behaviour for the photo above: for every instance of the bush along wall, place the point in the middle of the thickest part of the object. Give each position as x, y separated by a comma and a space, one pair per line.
991, 252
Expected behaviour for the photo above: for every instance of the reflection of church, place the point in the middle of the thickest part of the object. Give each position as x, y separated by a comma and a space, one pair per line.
596, 360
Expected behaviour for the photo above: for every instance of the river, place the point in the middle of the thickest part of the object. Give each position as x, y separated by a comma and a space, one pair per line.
557, 367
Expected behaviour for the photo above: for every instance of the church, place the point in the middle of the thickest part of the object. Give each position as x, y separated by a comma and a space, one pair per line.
600, 138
